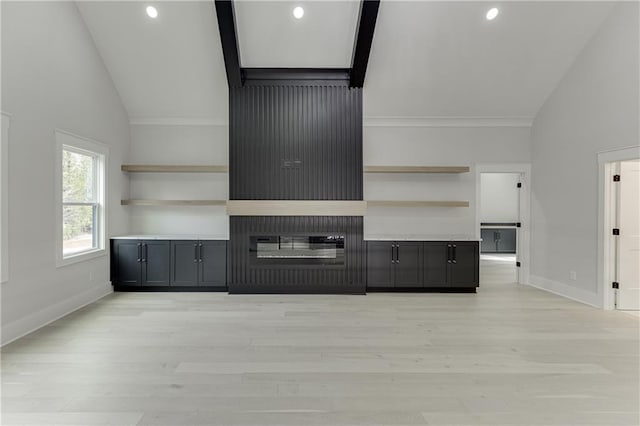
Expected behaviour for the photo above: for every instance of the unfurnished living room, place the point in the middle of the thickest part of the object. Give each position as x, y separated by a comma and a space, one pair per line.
339, 213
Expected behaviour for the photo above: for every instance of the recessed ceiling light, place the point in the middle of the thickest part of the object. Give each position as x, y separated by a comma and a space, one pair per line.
492, 13
298, 12
152, 12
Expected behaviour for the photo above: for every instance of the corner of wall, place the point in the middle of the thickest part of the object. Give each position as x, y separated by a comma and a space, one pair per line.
36, 320
564, 290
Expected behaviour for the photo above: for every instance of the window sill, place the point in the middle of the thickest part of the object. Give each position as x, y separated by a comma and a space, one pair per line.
81, 257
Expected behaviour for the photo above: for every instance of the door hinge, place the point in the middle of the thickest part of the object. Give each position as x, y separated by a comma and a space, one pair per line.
616, 178
519, 185
519, 225
615, 285
616, 231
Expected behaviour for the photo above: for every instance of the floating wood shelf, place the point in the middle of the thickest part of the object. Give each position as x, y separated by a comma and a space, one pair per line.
296, 208
382, 203
173, 202
416, 169
159, 168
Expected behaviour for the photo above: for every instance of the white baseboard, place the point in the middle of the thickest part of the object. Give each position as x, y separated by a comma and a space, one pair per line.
17, 329
564, 290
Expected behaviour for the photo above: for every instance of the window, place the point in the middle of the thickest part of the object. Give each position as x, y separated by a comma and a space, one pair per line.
82, 188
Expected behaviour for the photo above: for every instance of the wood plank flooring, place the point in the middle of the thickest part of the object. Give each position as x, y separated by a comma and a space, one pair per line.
509, 355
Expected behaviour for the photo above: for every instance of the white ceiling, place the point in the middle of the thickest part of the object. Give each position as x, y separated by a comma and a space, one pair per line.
270, 37
445, 59
170, 67
428, 59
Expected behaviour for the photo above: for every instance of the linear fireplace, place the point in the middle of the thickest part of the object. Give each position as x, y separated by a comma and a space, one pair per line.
300, 250
297, 254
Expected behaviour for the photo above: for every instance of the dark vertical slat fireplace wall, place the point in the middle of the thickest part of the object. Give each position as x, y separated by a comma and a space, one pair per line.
296, 140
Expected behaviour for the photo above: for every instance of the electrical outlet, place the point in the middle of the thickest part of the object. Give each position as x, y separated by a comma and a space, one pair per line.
573, 275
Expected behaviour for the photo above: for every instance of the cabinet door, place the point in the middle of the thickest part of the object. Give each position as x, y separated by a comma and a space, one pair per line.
436, 256
379, 266
184, 263
126, 262
156, 258
507, 243
408, 271
463, 269
213, 263
488, 236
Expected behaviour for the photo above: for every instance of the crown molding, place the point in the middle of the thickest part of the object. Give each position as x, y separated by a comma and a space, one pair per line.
177, 121
448, 121
368, 121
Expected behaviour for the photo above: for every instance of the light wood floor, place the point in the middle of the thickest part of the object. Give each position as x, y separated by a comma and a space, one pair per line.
508, 355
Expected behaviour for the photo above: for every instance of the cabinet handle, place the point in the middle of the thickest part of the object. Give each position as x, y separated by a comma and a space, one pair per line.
139, 253
200, 253
397, 253
454, 254
144, 252
195, 253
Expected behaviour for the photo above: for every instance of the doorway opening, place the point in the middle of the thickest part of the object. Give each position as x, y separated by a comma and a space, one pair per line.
616, 197
624, 218
499, 220
502, 211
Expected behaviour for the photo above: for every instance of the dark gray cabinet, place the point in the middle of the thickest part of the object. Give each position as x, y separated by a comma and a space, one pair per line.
394, 264
452, 264
380, 264
140, 262
463, 264
199, 263
125, 262
498, 240
436, 264
408, 265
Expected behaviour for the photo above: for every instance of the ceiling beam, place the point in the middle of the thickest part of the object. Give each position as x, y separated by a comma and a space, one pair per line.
295, 73
227, 27
364, 38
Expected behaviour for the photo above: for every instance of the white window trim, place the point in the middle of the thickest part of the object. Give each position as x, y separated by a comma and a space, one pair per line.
80, 143
4, 199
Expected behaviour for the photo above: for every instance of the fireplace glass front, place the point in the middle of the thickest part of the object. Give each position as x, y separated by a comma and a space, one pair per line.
297, 250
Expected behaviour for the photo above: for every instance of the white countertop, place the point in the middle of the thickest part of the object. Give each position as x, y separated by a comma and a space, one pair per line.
174, 237
420, 237
371, 237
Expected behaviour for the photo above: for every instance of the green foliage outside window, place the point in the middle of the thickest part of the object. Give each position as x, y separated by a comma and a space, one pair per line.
78, 186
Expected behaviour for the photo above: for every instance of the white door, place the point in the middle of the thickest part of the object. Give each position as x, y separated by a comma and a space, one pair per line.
628, 242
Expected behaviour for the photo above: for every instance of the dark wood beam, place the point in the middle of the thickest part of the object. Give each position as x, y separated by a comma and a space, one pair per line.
296, 76
295, 73
364, 38
227, 27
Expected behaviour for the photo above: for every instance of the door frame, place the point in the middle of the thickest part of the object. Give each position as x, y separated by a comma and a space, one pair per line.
606, 200
524, 246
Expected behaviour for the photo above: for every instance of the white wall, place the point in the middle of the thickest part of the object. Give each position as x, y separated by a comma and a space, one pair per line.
204, 144
499, 197
594, 108
52, 77
4, 199
415, 145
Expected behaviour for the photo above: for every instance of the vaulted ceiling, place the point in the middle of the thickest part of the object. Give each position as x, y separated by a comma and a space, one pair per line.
430, 58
